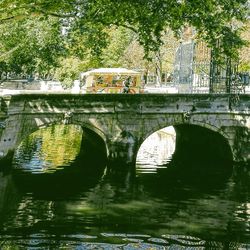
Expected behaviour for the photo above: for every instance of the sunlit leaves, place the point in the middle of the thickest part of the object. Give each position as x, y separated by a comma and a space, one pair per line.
88, 21
69, 70
244, 62
150, 18
31, 45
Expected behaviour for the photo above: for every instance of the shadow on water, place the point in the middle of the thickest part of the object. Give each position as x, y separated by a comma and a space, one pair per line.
196, 173
179, 183
64, 181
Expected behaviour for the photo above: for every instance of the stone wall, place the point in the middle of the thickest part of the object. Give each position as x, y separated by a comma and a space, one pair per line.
125, 121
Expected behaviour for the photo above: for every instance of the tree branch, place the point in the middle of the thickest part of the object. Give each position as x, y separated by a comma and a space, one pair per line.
9, 52
56, 14
11, 18
36, 11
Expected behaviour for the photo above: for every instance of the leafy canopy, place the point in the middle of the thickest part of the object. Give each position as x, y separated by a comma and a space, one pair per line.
213, 20
30, 45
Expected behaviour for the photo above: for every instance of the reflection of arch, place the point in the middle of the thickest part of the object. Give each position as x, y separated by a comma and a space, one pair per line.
53, 146
33, 129
35, 126
86, 142
158, 147
40, 123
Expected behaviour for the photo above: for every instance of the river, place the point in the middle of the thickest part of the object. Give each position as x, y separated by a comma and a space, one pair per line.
58, 194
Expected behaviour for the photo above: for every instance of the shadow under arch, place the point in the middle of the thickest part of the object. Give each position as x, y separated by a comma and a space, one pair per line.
198, 143
202, 157
93, 147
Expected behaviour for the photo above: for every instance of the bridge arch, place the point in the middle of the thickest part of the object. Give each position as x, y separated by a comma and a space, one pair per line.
160, 126
31, 124
93, 128
35, 124
213, 140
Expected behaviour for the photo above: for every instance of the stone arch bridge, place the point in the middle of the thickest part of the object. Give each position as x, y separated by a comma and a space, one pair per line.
125, 121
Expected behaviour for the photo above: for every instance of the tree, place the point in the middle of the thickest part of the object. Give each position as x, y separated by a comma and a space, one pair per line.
31, 46
244, 60
119, 39
212, 19
70, 70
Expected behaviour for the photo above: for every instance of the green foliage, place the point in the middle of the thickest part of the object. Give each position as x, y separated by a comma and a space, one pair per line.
84, 39
31, 38
119, 40
244, 67
244, 61
31, 45
211, 18
69, 71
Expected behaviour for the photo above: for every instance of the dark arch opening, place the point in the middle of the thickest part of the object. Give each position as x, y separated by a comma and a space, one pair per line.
201, 158
93, 150
201, 144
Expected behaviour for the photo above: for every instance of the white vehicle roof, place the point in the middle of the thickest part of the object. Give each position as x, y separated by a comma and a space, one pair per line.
108, 71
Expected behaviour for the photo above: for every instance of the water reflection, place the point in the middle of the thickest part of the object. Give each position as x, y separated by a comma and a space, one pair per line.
40, 152
158, 148
74, 203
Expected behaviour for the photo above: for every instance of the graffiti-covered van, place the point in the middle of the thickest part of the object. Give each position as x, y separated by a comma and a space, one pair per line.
112, 80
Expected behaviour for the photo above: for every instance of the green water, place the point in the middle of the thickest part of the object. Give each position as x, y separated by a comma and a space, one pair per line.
58, 196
